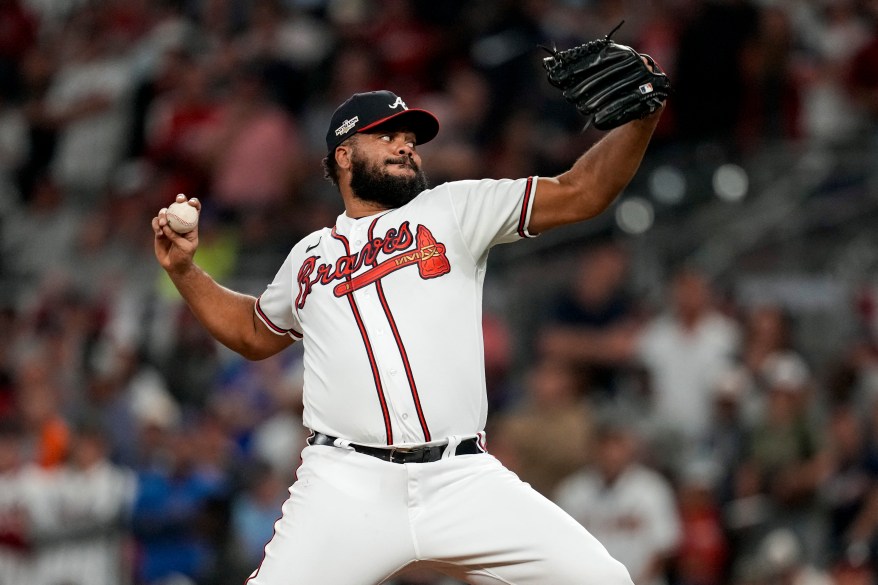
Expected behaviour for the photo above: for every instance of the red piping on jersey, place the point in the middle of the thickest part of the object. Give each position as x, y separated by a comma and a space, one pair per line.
365, 337
274, 327
402, 353
521, 220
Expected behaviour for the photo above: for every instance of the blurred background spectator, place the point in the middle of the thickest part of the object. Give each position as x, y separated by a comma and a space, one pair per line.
726, 305
628, 507
593, 321
82, 532
551, 432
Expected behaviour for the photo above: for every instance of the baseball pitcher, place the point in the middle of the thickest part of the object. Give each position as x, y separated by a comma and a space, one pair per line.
387, 303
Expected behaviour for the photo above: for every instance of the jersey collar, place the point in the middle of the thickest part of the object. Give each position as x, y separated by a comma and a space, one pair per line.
344, 223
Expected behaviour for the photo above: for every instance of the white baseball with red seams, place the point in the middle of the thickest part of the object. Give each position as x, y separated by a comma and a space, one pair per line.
182, 217
389, 308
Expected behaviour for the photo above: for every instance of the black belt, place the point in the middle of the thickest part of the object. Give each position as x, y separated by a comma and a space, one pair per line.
424, 454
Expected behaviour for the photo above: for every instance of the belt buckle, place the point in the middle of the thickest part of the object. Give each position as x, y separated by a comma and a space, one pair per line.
394, 450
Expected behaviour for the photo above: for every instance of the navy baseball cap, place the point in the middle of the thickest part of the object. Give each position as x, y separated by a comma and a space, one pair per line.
365, 111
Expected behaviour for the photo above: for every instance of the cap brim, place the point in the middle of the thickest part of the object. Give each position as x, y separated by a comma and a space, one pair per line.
423, 123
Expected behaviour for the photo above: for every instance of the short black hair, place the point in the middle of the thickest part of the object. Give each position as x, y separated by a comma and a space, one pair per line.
330, 169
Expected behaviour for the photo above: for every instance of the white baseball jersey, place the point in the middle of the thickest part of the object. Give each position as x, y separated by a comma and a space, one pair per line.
82, 519
636, 517
390, 310
18, 506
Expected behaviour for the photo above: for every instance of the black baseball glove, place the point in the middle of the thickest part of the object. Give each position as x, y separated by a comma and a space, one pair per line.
607, 82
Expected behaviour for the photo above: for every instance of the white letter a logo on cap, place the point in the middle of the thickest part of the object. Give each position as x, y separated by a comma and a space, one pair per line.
398, 102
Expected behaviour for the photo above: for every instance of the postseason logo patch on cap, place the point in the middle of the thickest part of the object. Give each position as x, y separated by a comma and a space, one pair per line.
347, 125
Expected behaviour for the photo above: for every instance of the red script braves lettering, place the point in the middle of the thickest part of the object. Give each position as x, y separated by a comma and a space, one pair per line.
428, 255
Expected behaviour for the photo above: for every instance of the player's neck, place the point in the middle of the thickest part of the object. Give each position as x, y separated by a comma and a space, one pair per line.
356, 208
366, 212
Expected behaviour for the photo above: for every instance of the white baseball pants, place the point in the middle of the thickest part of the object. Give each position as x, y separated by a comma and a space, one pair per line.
353, 519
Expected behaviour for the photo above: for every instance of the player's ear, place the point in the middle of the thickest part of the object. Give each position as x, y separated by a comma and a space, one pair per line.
343, 153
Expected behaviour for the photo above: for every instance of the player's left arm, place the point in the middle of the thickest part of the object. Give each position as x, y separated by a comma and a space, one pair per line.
594, 180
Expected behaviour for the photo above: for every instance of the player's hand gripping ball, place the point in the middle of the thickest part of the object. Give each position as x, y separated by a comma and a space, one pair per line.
182, 217
608, 83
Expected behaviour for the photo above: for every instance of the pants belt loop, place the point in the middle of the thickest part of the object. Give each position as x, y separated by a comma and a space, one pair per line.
451, 448
482, 441
342, 444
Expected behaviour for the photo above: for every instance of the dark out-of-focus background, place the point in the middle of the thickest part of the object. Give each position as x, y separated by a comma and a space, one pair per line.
693, 374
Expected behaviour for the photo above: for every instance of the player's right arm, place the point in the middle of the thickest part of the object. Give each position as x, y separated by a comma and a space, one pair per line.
229, 316
595, 179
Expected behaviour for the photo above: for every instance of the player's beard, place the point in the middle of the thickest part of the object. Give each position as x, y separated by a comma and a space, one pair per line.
372, 182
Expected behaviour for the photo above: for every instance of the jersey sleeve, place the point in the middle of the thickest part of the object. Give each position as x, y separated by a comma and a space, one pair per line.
274, 307
491, 212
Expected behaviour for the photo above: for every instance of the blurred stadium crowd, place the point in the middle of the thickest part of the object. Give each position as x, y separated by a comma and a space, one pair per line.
704, 439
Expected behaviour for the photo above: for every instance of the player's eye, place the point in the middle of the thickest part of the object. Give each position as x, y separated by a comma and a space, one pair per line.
411, 144
385, 137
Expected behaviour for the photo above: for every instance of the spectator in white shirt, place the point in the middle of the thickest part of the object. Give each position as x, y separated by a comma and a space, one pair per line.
627, 506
